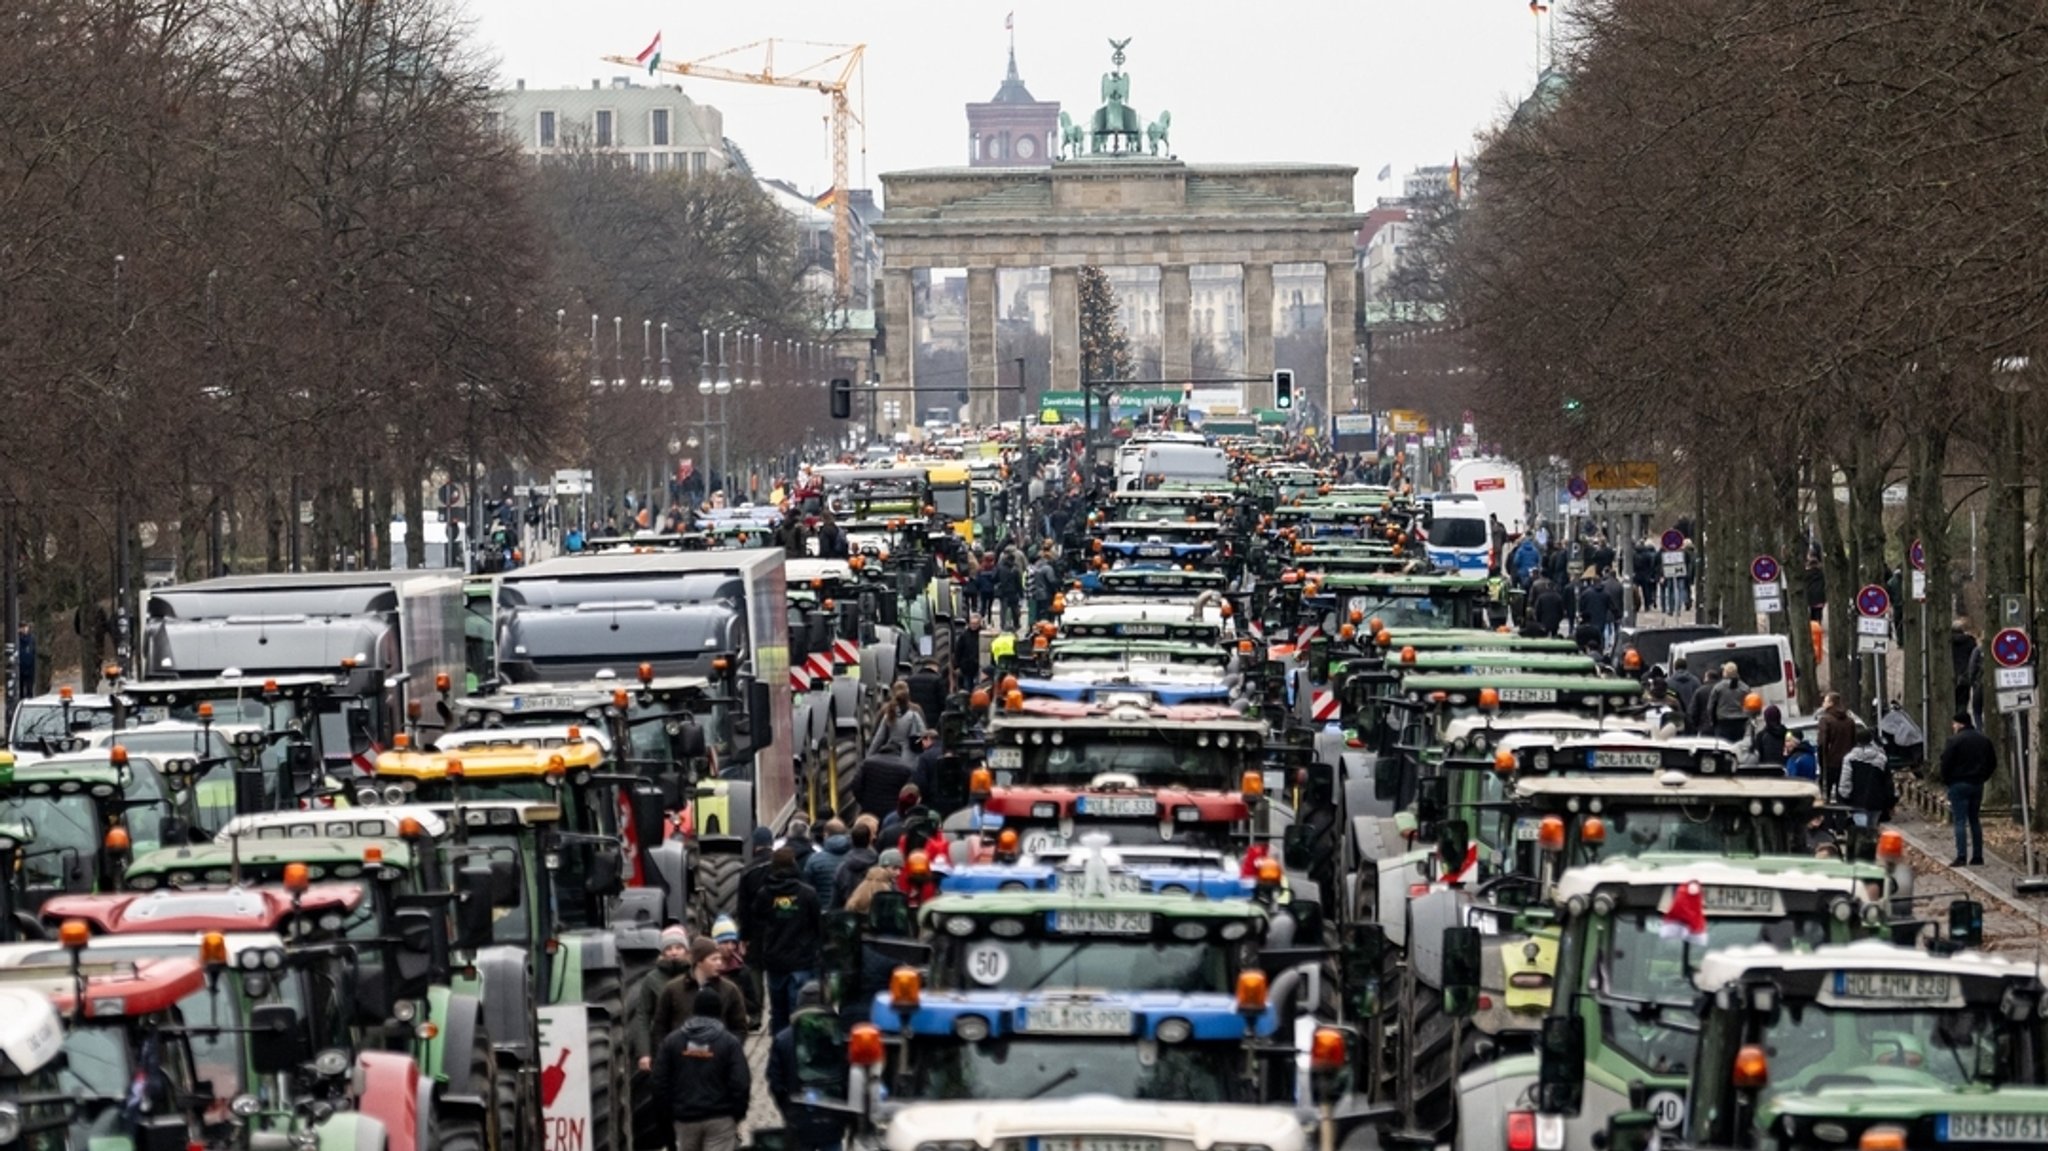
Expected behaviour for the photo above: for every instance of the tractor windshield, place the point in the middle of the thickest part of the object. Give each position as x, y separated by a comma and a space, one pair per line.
1096, 962
1040, 1068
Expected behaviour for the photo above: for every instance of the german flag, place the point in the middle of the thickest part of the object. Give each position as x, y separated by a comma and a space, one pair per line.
826, 201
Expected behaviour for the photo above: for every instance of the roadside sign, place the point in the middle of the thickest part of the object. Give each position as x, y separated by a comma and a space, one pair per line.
1769, 599
2011, 701
1873, 625
1577, 487
1919, 587
1612, 477
2014, 608
1674, 540
1674, 564
1873, 644
1917, 556
1873, 600
2012, 648
1763, 569
1625, 500
2011, 678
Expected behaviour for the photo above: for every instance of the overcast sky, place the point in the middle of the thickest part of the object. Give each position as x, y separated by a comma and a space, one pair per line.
1360, 82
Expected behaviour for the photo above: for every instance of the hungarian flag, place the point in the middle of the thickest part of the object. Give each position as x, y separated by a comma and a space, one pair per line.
1686, 918
650, 55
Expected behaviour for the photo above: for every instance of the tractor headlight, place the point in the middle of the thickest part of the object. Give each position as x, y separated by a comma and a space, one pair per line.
244, 1106
331, 1063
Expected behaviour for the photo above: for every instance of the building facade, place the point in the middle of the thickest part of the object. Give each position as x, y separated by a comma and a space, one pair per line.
653, 129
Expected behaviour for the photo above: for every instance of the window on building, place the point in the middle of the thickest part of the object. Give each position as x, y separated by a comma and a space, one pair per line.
602, 128
545, 130
657, 127
995, 147
696, 163
640, 161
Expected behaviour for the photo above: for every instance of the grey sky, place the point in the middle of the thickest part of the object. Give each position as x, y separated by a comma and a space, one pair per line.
1362, 82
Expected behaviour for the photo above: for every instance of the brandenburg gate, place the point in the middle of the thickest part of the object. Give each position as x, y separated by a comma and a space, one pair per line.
1115, 197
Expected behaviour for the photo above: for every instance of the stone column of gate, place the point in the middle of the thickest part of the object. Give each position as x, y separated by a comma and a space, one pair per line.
1340, 327
981, 345
1066, 329
1176, 350
1258, 334
899, 381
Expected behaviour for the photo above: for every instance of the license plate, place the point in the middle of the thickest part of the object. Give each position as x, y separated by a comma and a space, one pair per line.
152, 714
1894, 986
1119, 881
1091, 1143
1102, 922
1155, 551
1007, 758
1077, 1019
1741, 901
1528, 695
1644, 759
544, 703
1112, 806
1990, 1128
1142, 629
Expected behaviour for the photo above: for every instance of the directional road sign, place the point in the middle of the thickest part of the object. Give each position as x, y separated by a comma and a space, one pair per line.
1763, 569
1873, 600
2012, 648
1917, 556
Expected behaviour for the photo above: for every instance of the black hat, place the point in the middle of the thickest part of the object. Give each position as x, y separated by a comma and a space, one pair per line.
1962, 719
708, 1004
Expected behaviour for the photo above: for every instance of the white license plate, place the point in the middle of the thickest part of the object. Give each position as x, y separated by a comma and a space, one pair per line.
1037, 841
1006, 758
1989, 1128
1113, 806
1741, 901
1644, 759
1142, 629
1528, 695
152, 714
1119, 881
1894, 986
1155, 551
1077, 1019
1102, 922
544, 703
1091, 1143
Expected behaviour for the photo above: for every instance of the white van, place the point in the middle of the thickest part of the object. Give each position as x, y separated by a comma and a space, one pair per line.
1498, 485
1455, 533
1763, 661
1180, 463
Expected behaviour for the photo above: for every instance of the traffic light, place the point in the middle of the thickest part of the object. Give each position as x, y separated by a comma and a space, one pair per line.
1283, 389
842, 399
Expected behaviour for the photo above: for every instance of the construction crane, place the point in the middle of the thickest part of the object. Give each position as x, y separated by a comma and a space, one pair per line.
832, 76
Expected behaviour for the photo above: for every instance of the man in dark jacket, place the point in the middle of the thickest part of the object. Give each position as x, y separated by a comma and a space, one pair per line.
641, 1036
679, 995
752, 880
1699, 715
822, 868
701, 1073
791, 1082
1684, 684
860, 855
786, 926
928, 692
1546, 604
966, 657
799, 841
1836, 735
1968, 761
1967, 657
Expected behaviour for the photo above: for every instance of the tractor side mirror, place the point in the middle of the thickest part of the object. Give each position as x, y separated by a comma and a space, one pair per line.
1432, 799
1298, 847
889, 915
1453, 843
605, 873
1365, 963
1386, 778
277, 1043
1461, 971
508, 887
650, 812
1561, 1064
1966, 924
687, 741
473, 907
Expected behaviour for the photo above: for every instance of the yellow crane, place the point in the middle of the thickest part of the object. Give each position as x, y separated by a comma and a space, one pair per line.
831, 75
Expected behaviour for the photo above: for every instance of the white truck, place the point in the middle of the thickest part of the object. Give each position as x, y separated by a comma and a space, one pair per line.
1499, 487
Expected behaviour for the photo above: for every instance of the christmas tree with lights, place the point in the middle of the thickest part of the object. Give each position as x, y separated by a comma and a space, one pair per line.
1105, 348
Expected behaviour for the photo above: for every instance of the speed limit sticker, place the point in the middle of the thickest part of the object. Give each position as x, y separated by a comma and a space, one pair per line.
1669, 1108
1037, 841
987, 963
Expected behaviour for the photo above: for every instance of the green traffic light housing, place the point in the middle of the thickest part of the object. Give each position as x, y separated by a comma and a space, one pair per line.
1283, 389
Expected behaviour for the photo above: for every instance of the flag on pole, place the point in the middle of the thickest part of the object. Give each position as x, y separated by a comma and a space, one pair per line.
826, 200
1010, 22
1386, 173
1686, 918
650, 55
1457, 181
1537, 7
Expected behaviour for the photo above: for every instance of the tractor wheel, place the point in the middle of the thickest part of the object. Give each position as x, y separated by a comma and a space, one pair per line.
717, 888
519, 1124
611, 1105
1428, 1056
472, 1130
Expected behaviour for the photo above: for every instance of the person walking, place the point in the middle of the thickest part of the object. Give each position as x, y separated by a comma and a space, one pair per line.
24, 668
1727, 705
899, 725
642, 1038
1866, 785
787, 925
1010, 586
1044, 583
860, 856
679, 995
1684, 685
1768, 738
1967, 657
1836, 734
1968, 761
821, 869
701, 1073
